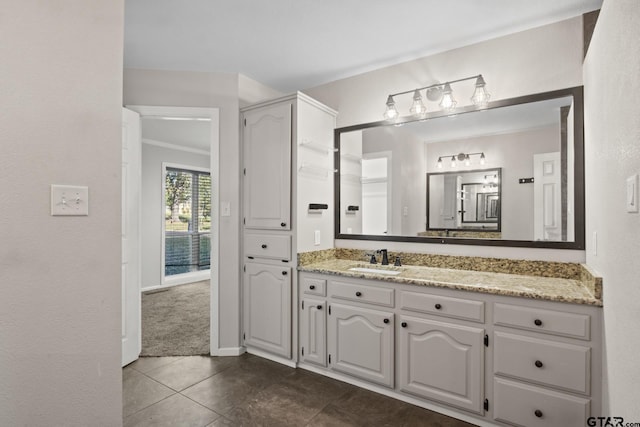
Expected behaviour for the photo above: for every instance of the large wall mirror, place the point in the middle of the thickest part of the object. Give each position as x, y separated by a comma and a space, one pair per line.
510, 174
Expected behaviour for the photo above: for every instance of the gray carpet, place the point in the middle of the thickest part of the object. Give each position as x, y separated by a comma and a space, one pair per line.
175, 321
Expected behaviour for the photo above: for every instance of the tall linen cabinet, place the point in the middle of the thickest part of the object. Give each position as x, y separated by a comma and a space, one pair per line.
288, 175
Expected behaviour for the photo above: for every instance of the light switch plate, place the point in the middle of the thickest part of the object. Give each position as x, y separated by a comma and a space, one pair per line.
316, 237
69, 200
632, 194
225, 209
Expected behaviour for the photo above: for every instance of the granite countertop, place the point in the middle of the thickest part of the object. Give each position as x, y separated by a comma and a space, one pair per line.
519, 285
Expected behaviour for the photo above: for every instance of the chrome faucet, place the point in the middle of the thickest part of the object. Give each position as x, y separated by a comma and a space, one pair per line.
385, 257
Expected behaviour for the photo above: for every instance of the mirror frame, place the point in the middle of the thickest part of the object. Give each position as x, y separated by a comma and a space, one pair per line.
579, 194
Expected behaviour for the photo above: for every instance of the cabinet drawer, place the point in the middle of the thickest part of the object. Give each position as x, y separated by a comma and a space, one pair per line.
313, 286
442, 306
572, 325
267, 246
525, 405
361, 293
556, 364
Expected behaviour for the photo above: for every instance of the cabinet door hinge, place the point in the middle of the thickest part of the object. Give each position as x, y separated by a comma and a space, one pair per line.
486, 340
303, 305
329, 358
329, 309
245, 122
486, 404
244, 267
244, 336
303, 351
244, 171
244, 221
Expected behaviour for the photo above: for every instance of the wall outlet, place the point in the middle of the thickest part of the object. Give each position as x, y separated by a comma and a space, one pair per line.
316, 237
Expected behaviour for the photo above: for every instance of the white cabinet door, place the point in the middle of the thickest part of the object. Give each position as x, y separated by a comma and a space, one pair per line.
361, 343
313, 332
442, 361
267, 308
267, 167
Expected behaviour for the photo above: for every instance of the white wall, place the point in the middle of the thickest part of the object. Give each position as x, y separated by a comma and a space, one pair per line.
152, 203
60, 123
220, 90
408, 176
532, 61
612, 129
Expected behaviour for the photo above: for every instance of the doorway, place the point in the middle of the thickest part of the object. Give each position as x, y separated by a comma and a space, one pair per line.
180, 141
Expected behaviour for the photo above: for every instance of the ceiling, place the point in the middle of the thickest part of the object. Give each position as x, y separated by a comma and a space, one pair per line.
297, 44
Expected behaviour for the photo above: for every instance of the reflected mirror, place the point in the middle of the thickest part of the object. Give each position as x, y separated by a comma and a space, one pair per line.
464, 204
510, 174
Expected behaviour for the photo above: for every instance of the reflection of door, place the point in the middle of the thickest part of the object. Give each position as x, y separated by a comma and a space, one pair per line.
376, 193
130, 236
546, 196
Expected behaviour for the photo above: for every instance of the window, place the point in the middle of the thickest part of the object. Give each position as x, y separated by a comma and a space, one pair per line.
187, 221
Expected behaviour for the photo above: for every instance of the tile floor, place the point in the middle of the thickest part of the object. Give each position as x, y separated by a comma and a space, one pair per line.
250, 391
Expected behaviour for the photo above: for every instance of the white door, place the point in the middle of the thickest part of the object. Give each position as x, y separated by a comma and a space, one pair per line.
131, 147
546, 195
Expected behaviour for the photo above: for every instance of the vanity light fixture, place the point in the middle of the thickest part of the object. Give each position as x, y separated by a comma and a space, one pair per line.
460, 157
441, 92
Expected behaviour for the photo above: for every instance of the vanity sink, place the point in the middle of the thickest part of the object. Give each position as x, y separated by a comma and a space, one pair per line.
375, 271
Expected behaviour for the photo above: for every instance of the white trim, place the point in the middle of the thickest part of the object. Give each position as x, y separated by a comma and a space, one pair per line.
171, 146
287, 362
228, 351
460, 415
182, 279
214, 155
190, 112
178, 279
214, 164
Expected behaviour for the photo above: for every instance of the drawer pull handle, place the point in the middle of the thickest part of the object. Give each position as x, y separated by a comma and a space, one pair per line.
358, 294
386, 320
264, 246
538, 322
319, 307
538, 364
538, 413
284, 273
438, 306
403, 324
312, 287
283, 224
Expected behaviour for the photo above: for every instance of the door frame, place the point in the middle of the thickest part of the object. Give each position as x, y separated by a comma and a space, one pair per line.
212, 113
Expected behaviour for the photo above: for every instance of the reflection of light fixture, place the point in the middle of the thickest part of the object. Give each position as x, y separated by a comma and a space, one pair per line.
460, 157
490, 181
439, 92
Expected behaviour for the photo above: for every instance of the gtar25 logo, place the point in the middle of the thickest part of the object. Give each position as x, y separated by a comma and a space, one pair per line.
605, 422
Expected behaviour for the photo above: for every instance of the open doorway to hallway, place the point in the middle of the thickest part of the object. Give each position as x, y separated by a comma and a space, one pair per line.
179, 226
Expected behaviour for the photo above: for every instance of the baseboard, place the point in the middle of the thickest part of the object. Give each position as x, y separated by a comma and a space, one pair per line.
272, 357
228, 351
